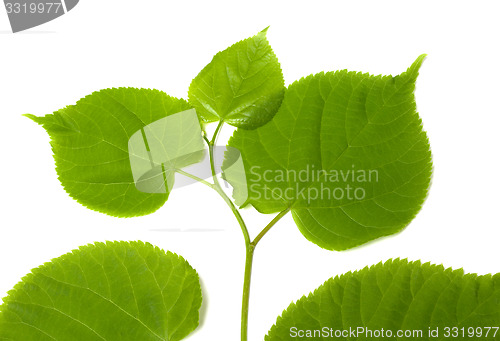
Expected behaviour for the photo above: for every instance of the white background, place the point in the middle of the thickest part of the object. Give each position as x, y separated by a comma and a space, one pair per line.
158, 44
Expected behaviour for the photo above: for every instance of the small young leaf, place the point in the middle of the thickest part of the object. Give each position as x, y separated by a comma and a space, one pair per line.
90, 141
395, 296
242, 85
346, 152
114, 291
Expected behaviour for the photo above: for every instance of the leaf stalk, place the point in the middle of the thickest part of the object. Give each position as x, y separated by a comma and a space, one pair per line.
249, 245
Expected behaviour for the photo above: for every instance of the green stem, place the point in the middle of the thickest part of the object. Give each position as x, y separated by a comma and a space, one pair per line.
219, 189
216, 133
194, 177
249, 248
269, 226
245, 305
249, 245
248, 274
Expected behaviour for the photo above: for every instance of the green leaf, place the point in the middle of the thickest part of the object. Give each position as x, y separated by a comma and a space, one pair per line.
113, 291
90, 141
242, 85
346, 152
161, 148
396, 296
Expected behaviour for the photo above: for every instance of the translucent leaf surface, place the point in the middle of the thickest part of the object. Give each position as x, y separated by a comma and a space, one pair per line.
113, 291
161, 148
90, 141
397, 296
242, 85
346, 152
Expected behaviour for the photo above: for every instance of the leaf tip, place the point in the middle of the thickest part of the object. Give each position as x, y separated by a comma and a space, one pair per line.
412, 71
418, 62
34, 118
262, 34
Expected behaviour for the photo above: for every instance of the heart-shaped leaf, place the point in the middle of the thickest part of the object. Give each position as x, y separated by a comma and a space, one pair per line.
396, 297
346, 153
90, 141
242, 85
113, 291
